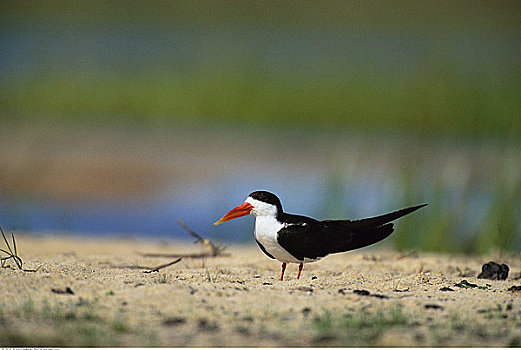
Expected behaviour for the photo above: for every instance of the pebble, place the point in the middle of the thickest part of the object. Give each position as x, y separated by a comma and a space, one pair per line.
494, 271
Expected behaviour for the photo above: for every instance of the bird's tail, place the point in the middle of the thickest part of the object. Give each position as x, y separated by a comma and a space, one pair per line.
367, 231
382, 219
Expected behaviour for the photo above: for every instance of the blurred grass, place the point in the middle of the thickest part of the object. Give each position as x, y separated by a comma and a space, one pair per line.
430, 88
433, 102
473, 192
360, 328
468, 212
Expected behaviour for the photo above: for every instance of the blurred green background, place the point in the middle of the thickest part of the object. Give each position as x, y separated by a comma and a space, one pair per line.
123, 116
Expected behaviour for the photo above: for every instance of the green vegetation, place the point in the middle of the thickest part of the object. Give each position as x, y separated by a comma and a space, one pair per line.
84, 323
473, 193
433, 101
12, 254
63, 324
357, 326
436, 87
451, 224
367, 327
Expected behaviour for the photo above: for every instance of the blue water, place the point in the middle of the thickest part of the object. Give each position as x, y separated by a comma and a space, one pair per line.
153, 217
471, 189
359, 193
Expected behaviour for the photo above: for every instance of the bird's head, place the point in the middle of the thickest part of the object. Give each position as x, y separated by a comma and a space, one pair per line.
258, 203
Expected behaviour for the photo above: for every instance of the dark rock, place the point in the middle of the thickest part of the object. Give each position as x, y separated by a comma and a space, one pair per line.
514, 289
433, 306
446, 289
361, 292
267, 284
366, 293
67, 290
314, 277
465, 284
174, 321
494, 271
342, 291
379, 296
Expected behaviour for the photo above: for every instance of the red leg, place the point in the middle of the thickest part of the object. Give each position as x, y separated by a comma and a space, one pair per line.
283, 269
300, 269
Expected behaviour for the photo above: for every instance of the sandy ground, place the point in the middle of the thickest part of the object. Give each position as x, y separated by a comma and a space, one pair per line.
81, 296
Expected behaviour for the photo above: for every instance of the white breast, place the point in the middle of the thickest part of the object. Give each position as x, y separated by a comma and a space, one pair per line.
266, 228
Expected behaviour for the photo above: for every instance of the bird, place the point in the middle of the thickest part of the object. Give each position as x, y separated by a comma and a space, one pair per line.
299, 239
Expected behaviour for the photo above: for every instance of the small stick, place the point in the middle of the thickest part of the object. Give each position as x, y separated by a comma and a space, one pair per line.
189, 230
147, 268
126, 266
157, 268
211, 249
192, 256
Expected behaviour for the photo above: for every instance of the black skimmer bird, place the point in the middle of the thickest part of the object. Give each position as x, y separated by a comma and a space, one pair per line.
299, 239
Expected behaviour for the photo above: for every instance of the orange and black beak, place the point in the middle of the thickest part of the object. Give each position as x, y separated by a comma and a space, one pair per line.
237, 212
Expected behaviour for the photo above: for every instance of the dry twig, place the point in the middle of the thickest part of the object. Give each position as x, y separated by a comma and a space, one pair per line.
211, 250
147, 269
157, 268
13, 254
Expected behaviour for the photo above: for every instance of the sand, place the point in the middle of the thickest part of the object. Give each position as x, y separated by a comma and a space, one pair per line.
81, 296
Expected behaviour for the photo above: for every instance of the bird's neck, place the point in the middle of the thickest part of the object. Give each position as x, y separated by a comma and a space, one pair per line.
269, 216
267, 226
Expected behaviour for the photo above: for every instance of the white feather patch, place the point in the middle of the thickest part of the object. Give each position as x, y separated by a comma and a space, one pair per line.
266, 231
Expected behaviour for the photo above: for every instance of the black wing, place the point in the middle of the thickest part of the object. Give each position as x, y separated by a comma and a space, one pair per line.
309, 238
